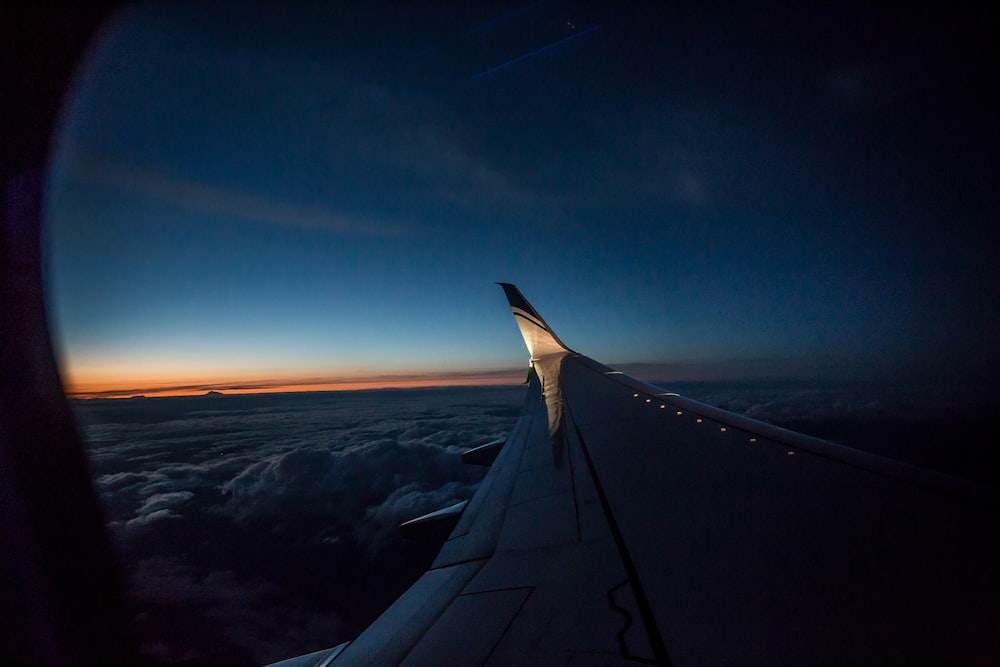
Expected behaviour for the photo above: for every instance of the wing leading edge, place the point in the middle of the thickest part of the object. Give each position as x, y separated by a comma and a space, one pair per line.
622, 524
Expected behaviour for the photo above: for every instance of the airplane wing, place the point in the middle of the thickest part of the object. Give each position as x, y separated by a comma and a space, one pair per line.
622, 524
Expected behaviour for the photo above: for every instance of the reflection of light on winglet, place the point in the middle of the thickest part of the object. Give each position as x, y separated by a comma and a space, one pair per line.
548, 369
547, 353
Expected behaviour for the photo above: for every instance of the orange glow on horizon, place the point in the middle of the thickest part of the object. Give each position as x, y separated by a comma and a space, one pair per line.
108, 389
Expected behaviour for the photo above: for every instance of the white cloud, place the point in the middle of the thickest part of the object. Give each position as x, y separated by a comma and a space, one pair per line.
160, 501
151, 517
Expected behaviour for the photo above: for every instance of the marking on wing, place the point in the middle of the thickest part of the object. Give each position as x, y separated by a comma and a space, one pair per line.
623, 634
642, 601
527, 316
622, 644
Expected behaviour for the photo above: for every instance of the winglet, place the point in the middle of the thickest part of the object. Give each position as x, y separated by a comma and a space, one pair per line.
538, 336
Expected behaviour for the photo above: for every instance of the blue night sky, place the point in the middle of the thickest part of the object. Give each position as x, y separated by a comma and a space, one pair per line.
261, 194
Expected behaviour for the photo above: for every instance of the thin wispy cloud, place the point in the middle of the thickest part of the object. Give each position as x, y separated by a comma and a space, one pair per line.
155, 185
412, 139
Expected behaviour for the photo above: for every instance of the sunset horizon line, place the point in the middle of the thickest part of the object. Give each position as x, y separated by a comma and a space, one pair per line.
91, 390
760, 369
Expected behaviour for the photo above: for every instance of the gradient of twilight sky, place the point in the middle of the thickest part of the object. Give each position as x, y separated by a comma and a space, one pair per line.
265, 196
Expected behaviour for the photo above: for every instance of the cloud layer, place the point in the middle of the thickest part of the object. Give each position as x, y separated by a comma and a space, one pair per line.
258, 527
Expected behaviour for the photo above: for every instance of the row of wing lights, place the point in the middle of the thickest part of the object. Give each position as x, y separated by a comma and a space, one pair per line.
698, 420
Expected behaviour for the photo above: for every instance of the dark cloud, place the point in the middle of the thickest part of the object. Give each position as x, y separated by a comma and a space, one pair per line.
340, 483
378, 530
252, 613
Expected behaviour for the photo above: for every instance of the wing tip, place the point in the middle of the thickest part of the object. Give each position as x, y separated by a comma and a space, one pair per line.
517, 300
538, 335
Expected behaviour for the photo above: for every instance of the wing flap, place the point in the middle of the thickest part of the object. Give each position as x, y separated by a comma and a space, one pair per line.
469, 629
484, 455
393, 635
434, 527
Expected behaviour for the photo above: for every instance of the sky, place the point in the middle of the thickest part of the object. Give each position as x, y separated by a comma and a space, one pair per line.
264, 198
